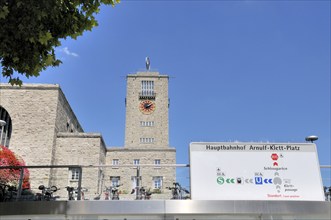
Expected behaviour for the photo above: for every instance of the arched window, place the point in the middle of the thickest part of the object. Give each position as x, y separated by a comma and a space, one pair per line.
5, 127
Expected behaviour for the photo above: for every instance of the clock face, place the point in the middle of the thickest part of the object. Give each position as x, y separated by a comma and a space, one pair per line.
147, 106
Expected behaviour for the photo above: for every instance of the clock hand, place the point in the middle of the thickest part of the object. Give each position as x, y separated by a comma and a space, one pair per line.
148, 105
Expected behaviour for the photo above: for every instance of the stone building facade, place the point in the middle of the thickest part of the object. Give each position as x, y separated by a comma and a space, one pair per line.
149, 88
146, 137
43, 130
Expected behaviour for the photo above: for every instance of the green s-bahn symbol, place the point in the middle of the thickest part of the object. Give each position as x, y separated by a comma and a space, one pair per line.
220, 180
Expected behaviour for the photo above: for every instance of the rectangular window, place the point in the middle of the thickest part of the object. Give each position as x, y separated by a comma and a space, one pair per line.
146, 123
147, 88
115, 181
146, 140
157, 163
157, 180
136, 161
74, 174
115, 163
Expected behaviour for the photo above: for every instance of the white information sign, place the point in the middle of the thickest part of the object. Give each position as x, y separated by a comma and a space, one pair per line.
255, 171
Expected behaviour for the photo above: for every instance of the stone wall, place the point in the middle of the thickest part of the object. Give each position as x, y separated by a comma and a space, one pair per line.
133, 130
126, 170
66, 120
38, 113
45, 131
79, 149
33, 112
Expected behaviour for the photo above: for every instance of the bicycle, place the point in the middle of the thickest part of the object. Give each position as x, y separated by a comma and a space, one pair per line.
7, 193
142, 193
177, 191
46, 193
113, 192
71, 191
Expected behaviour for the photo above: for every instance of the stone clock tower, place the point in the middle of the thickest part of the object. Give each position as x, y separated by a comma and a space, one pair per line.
147, 105
146, 138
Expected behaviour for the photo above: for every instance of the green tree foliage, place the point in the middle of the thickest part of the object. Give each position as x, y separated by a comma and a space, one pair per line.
31, 29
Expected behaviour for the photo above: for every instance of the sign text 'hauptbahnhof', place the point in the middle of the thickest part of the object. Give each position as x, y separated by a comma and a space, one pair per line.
265, 147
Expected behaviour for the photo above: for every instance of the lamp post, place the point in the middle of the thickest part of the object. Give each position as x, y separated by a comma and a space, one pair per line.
2, 125
312, 138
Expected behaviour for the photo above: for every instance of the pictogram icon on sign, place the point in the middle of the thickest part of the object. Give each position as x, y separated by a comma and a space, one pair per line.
274, 156
240, 180
258, 180
220, 180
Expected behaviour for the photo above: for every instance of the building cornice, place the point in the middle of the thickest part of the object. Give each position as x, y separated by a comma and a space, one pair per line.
82, 135
35, 86
147, 74
122, 149
78, 135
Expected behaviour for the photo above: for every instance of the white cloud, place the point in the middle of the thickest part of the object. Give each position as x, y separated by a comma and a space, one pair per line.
69, 53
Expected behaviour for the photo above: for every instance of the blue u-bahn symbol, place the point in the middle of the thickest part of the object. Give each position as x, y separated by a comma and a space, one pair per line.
258, 180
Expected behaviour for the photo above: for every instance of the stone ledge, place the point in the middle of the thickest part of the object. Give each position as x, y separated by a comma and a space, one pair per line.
122, 149
34, 86
147, 74
82, 135
78, 135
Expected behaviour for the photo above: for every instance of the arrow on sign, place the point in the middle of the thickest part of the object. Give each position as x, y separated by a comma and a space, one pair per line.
230, 180
267, 181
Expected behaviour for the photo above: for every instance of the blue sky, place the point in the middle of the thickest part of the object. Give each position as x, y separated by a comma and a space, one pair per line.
239, 70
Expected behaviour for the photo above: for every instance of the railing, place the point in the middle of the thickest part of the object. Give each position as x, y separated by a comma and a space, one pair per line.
147, 95
100, 182
326, 178
50, 175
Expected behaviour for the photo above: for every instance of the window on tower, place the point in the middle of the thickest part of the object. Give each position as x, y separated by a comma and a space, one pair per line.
146, 140
147, 90
147, 123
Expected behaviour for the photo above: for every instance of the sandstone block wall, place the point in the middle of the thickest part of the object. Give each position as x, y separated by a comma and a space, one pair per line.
45, 131
146, 157
33, 112
79, 149
38, 113
160, 130
66, 120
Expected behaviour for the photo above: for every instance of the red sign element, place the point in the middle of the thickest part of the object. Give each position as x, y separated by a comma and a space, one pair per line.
275, 164
274, 156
